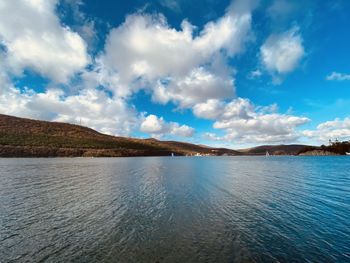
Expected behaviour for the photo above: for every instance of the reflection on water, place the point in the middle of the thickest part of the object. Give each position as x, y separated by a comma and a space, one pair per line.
225, 209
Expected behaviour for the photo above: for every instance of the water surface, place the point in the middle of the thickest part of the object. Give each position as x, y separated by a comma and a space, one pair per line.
217, 209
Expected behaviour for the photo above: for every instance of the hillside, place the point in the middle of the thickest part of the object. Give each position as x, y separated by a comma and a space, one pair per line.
292, 149
337, 148
20, 137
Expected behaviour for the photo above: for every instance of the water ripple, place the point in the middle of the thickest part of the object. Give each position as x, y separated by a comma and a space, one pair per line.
234, 209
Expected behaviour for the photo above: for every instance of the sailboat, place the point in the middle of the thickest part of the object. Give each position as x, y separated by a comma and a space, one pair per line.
267, 154
172, 154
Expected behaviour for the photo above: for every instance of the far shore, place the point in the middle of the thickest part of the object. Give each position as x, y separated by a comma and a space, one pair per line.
47, 152
21, 137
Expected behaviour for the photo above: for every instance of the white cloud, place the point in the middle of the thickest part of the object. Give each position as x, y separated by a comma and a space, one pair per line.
281, 9
103, 76
93, 108
217, 110
246, 123
35, 39
173, 5
255, 74
336, 129
194, 88
263, 128
178, 65
212, 137
158, 127
282, 53
338, 76
211, 109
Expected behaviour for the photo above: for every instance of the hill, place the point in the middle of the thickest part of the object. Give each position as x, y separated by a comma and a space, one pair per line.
20, 137
292, 149
336, 148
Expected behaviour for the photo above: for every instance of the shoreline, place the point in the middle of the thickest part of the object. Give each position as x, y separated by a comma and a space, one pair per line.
46, 139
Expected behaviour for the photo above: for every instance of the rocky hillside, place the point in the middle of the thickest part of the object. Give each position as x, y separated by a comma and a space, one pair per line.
21, 137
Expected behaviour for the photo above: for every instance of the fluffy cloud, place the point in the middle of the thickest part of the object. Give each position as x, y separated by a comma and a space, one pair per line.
178, 65
244, 122
282, 53
336, 129
158, 127
211, 109
217, 110
195, 88
263, 128
338, 76
146, 46
102, 76
92, 108
34, 38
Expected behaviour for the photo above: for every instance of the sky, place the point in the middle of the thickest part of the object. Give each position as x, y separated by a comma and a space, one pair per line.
222, 73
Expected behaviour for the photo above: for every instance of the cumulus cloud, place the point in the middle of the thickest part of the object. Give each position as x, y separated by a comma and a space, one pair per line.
211, 109
194, 88
218, 110
338, 76
242, 121
158, 127
178, 65
90, 107
263, 128
336, 129
34, 39
282, 53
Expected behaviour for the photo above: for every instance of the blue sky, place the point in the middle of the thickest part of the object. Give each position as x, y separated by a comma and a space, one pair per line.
223, 73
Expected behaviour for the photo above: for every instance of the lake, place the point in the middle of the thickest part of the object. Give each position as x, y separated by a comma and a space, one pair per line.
194, 209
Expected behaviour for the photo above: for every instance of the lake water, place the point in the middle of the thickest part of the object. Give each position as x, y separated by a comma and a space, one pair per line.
201, 209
